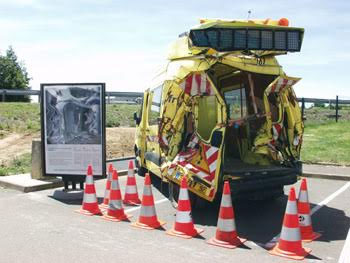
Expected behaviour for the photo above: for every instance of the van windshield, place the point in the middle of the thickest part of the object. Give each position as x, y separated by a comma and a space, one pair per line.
236, 103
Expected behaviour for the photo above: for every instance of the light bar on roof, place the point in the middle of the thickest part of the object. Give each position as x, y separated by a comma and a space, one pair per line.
226, 39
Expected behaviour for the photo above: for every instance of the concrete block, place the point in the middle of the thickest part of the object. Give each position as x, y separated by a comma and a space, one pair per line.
24, 183
37, 172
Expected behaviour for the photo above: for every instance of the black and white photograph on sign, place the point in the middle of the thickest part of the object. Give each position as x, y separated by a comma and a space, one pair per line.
73, 129
73, 115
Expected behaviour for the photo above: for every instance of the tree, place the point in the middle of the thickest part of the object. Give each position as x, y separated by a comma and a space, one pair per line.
13, 75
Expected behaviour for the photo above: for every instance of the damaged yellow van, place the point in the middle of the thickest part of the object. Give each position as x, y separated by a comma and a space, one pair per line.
223, 109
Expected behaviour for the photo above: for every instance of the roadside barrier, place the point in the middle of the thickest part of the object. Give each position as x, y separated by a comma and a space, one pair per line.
131, 196
90, 204
105, 202
184, 226
306, 230
226, 234
289, 244
148, 218
115, 211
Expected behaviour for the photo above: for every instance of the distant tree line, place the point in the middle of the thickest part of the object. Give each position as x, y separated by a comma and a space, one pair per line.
13, 75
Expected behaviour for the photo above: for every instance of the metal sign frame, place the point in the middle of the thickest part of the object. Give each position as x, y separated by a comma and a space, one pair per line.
102, 136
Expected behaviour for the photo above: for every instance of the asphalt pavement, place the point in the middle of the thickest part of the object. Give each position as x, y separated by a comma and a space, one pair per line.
43, 227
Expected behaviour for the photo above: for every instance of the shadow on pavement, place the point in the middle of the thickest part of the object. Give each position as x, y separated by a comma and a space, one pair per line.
70, 197
261, 221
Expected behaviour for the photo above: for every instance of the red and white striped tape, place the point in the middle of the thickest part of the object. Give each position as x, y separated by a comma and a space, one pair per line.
197, 84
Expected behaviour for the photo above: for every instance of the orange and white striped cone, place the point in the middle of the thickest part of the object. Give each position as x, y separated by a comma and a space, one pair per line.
289, 244
131, 196
105, 202
305, 223
115, 211
90, 204
184, 226
226, 234
148, 218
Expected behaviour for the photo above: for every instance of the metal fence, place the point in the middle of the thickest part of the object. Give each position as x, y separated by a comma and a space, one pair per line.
136, 97
336, 102
111, 96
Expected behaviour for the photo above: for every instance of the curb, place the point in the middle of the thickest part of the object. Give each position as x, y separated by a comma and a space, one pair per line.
121, 159
327, 176
125, 172
45, 184
26, 189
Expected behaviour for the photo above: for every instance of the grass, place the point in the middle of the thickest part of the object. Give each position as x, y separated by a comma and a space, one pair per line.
25, 117
19, 117
19, 165
323, 115
121, 115
328, 142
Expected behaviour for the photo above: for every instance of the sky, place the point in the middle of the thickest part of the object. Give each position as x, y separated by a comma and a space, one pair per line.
123, 43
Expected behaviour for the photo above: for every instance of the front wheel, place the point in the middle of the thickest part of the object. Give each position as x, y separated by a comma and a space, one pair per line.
141, 171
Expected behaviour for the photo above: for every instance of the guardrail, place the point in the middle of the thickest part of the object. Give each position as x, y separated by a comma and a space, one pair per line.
335, 101
136, 97
111, 96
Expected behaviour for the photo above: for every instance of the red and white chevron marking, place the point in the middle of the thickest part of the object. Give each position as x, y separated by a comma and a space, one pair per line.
276, 131
281, 84
183, 159
197, 84
211, 154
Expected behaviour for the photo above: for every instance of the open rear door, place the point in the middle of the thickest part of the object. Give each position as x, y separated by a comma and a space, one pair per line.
198, 152
282, 136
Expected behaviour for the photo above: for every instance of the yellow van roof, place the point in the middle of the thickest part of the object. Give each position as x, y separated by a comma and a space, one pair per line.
282, 23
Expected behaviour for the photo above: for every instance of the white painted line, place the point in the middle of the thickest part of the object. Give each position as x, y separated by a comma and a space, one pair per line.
330, 198
345, 253
139, 207
274, 240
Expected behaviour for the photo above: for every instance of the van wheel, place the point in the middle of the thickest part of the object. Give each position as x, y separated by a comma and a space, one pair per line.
141, 171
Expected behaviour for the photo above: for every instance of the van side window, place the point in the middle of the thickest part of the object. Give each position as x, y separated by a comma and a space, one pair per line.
236, 103
207, 116
154, 113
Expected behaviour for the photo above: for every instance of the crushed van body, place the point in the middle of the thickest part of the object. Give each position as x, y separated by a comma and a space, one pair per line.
223, 109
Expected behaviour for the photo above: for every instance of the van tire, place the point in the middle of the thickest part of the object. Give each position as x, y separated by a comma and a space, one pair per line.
141, 171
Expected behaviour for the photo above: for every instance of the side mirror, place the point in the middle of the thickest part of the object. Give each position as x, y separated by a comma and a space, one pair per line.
136, 118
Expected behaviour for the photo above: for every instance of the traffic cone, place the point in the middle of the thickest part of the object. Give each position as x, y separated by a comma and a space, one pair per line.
148, 218
289, 244
226, 235
184, 226
115, 211
307, 233
90, 204
131, 196
105, 202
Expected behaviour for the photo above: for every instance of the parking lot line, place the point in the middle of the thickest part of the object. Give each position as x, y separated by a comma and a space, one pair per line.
274, 240
138, 207
345, 253
330, 198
